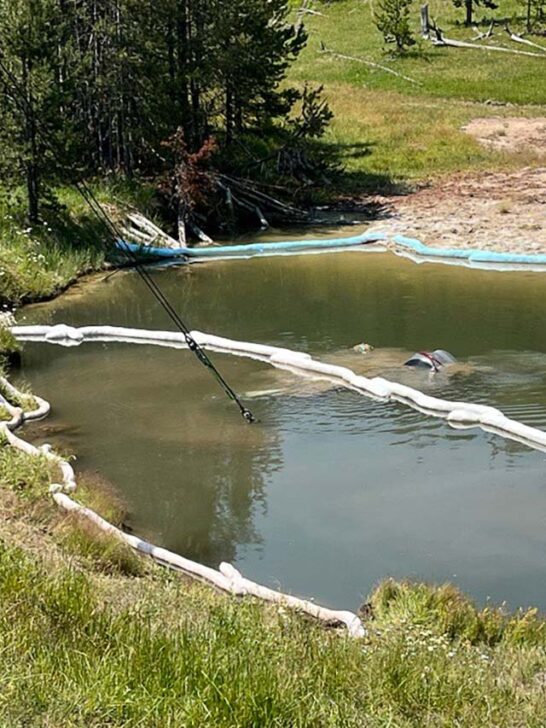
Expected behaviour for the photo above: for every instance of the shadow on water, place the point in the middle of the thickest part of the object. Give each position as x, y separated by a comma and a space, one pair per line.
157, 426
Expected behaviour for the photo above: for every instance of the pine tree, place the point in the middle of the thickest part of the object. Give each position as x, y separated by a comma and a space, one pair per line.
392, 21
535, 13
255, 46
28, 86
107, 81
471, 5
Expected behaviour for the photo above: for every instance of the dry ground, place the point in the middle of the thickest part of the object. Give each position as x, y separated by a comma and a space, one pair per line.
503, 211
511, 134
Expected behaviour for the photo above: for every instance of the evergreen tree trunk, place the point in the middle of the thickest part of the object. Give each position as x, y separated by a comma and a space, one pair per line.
31, 163
196, 138
183, 41
238, 116
229, 114
469, 7
33, 188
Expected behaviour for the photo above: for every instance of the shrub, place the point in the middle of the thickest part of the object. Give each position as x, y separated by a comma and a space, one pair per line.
392, 21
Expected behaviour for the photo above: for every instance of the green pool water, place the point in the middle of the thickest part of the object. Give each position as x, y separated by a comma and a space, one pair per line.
329, 492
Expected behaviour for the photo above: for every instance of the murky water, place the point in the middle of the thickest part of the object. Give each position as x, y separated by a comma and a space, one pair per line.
330, 492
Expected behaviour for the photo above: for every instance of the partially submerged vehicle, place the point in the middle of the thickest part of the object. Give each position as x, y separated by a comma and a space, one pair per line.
431, 360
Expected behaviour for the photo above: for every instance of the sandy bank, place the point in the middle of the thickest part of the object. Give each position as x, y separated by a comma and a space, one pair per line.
501, 211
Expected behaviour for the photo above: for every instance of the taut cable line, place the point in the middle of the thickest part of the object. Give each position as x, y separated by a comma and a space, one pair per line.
19, 97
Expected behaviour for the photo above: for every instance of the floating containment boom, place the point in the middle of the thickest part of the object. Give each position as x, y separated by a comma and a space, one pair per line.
400, 245
457, 414
253, 249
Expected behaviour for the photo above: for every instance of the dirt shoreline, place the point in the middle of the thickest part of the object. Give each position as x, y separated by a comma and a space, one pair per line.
500, 211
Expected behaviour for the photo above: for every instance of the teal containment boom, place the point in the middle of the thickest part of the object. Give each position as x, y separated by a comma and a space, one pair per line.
244, 251
469, 255
399, 244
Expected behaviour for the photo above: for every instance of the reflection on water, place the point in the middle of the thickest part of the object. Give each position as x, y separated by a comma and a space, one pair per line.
330, 491
156, 428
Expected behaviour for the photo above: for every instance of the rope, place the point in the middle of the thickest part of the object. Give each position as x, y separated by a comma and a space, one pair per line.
102, 215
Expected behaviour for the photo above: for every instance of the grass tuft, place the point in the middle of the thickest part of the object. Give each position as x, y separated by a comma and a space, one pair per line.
103, 552
24, 399
28, 477
8, 343
178, 654
98, 494
447, 612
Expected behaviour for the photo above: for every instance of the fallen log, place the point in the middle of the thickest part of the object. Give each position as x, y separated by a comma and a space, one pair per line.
305, 9
372, 64
483, 36
263, 222
518, 39
200, 234
233, 200
138, 236
443, 41
245, 194
181, 223
146, 232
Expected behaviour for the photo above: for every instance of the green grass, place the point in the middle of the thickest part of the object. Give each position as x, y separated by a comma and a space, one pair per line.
100, 551
24, 399
78, 536
389, 142
469, 75
98, 494
180, 655
28, 477
8, 343
40, 261
37, 262
391, 133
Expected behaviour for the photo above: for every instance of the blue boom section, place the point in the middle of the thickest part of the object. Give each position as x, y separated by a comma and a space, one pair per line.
221, 251
457, 255
470, 255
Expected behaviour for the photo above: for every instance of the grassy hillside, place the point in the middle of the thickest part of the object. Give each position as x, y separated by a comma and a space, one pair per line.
346, 26
391, 130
